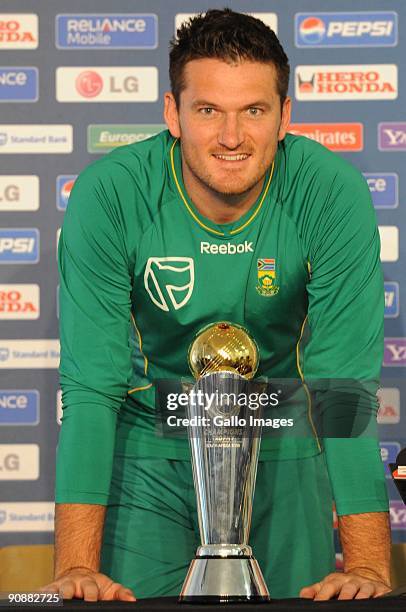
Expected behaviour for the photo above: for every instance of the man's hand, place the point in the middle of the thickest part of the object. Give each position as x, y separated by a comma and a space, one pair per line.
345, 586
88, 585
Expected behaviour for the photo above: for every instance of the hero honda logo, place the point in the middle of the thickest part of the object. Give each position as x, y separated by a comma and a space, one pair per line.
347, 82
19, 246
18, 31
353, 29
103, 31
169, 281
19, 302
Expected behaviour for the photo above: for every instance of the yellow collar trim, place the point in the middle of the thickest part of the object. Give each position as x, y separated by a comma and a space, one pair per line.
196, 218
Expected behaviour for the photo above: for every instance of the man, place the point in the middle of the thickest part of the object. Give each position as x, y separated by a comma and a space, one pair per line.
160, 239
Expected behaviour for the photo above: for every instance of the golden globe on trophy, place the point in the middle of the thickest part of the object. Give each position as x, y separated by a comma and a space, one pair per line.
224, 446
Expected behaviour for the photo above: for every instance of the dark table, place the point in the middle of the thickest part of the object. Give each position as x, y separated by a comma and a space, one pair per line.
170, 604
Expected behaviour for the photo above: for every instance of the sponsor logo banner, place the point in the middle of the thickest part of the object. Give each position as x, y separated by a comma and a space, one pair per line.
19, 192
26, 516
389, 406
270, 19
354, 29
346, 82
19, 461
392, 136
395, 352
391, 300
19, 407
397, 511
36, 138
18, 31
29, 354
19, 302
384, 188
19, 245
18, 84
389, 242
105, 138
64, 184
107, 84
334, 136
389, 452
107, 31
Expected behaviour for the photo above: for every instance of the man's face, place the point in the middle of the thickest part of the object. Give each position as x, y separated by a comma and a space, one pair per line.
229, 122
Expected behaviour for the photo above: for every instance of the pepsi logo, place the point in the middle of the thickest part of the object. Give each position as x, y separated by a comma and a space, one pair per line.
312, 30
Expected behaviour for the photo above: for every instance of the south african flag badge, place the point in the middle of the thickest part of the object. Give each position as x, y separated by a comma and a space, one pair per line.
267, 277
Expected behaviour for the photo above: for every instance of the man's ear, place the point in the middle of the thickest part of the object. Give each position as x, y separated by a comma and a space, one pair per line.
171, 115
285, 120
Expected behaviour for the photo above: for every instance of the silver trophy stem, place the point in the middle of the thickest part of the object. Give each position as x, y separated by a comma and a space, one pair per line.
224, 462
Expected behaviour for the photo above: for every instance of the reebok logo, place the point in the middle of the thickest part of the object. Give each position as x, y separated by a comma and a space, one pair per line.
226, 248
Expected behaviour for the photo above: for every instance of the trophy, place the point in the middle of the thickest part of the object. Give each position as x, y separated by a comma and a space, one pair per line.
224, 446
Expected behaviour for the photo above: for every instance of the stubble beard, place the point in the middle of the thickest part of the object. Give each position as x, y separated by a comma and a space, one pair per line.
225, 189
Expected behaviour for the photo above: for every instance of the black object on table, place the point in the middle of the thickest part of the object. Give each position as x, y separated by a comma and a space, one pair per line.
170, 604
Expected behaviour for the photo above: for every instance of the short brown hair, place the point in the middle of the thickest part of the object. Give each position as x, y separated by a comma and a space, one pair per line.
229, 36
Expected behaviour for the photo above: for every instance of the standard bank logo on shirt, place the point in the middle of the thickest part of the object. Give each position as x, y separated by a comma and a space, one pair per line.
169, 281
19, 246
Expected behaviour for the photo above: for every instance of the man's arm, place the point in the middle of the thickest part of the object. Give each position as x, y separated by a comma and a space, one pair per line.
366, 544
78, 540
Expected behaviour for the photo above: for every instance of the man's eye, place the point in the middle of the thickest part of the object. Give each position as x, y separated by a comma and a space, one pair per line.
207, 110
254, 112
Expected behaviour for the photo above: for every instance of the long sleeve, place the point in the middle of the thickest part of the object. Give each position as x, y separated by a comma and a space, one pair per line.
95, 287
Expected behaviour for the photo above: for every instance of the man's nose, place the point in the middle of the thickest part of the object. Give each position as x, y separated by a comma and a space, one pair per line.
231, 134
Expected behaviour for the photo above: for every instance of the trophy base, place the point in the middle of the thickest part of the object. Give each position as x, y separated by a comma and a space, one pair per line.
224, 580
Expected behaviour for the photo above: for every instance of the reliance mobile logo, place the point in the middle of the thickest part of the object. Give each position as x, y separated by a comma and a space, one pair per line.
19, 246
18, 31
384, 188
354, 29
347, 82
334, 136
107, 84
391, 300
64, 185
19, 302
19, 407
395, 352
389, 406
392, 136
106, 31
18, 84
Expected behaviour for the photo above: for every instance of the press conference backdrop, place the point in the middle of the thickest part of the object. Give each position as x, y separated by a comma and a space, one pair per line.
74, 84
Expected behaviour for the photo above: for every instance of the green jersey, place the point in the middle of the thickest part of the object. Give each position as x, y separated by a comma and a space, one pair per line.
142, 271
